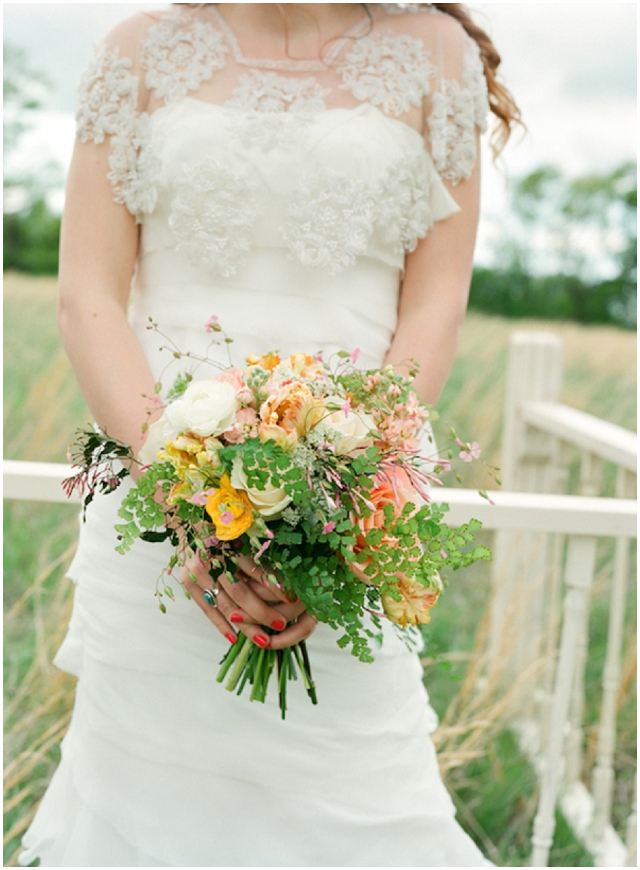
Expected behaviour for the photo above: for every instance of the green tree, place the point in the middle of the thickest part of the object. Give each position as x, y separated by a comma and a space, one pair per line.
30, 229
570, 251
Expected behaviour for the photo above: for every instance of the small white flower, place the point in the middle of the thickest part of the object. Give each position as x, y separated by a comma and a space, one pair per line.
205, 408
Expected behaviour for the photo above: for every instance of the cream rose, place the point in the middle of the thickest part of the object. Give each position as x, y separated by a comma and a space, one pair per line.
354, 430
205, 408
270, 501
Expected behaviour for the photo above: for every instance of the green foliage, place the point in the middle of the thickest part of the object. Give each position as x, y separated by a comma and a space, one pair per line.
583, 225
31, 239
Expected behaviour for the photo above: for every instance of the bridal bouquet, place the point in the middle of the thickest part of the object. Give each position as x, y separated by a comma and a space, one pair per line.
312, 467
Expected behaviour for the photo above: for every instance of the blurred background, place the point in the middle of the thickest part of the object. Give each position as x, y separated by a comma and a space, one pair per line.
556, 253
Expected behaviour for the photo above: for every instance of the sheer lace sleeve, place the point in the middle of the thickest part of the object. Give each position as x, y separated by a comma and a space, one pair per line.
111, 109
458, 102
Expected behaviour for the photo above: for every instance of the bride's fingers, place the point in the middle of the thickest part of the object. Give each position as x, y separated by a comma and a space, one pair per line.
300, 630
213, 614
247, 602
250, 570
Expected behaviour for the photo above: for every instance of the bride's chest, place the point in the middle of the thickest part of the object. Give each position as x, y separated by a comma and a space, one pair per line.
328, 184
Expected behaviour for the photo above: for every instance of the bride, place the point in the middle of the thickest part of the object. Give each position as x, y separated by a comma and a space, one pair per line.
308, 173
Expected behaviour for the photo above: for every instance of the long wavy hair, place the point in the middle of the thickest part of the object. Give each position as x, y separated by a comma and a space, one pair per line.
501, 102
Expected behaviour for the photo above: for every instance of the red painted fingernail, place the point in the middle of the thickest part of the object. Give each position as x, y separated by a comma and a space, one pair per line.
231, 637
236, 617
261, 640
278, 624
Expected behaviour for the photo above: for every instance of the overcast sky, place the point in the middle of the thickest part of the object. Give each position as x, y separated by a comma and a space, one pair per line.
571, 67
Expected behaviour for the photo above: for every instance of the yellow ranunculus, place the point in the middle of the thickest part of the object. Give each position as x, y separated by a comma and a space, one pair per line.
415, 604
230, 511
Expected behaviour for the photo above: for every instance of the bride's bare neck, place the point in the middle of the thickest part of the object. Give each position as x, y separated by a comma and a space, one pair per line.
304, 25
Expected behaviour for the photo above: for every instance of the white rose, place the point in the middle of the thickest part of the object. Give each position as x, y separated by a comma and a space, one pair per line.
270, 501
205, 408
157, 435
354, 430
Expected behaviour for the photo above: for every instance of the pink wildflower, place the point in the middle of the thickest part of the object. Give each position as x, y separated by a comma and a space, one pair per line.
211, 322
346, 407
472, 452
354, 356
201, 497
328, 527
226, 517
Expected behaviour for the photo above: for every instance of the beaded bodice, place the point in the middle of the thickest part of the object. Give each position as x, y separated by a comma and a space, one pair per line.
216, 153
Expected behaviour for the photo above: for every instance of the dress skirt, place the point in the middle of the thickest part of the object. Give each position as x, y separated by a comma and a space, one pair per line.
163, 767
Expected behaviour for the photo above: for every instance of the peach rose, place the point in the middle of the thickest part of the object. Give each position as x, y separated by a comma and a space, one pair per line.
293, 408
397, 492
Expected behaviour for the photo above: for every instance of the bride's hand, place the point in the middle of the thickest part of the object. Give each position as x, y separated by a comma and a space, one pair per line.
248, 604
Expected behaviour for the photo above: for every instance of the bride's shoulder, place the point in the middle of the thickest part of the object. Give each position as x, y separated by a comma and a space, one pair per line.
132, 35
437, 30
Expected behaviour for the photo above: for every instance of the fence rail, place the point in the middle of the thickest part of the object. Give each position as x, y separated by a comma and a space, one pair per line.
562, 514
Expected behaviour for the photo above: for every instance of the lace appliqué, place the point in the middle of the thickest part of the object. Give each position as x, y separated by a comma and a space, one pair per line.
456, 113
263, 102
332, 217
404, 215
330, 220
212, 215
392, 72
179, 55
108, 106
269, 92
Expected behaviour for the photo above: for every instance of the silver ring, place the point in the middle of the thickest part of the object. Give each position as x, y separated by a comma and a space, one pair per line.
210, 596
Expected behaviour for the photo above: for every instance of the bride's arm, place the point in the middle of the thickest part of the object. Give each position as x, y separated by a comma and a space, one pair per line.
98, 248
434, 293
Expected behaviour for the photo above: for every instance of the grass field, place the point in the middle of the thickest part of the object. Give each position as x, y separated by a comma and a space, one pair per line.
492, 784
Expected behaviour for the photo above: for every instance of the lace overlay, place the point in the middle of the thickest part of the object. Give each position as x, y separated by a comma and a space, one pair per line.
456, 113
212, 215
405, 215
108, 106
392, 72
330, 220
179, 57
261, 103
332, 217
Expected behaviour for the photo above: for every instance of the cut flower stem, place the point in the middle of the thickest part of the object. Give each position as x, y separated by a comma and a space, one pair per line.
247, 663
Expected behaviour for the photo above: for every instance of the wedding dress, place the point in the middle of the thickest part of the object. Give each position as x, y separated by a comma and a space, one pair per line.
281, 196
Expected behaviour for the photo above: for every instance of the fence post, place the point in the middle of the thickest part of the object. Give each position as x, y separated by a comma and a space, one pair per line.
581, 553
602, 780
530, 463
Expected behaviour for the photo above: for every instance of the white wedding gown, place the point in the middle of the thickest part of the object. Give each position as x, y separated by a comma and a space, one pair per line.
281, 196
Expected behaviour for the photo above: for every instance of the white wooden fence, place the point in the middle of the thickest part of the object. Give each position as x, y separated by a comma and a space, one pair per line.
531, 519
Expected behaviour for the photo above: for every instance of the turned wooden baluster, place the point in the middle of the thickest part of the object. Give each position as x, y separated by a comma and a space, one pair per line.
578, 578
603, 777
590, 485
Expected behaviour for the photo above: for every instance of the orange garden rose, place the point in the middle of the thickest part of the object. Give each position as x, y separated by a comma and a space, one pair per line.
415, 603
230, 511
292, 408
397, 492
